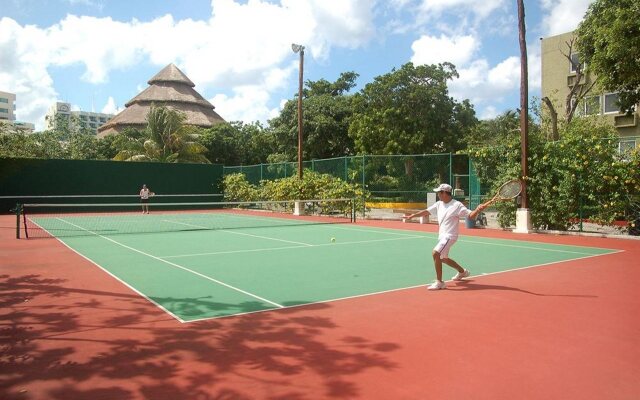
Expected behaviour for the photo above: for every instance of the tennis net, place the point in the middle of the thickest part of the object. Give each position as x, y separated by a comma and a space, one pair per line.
41, 220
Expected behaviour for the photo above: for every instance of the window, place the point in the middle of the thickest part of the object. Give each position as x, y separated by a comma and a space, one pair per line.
92, 119
83, 117
4, 110
611, 103
3, 100
575, 62
626, 145
592, 105
103, 120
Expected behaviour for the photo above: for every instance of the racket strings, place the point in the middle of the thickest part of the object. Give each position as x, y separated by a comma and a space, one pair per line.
510, 190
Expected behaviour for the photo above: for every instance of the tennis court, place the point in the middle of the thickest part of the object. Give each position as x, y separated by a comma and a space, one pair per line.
224, 263
264, 306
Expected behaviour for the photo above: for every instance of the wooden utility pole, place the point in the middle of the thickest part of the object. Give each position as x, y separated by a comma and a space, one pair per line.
524, 104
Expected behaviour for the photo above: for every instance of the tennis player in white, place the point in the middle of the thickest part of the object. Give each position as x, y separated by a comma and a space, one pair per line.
448, 210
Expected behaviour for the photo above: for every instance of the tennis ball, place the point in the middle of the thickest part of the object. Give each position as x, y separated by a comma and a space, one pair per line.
333, 240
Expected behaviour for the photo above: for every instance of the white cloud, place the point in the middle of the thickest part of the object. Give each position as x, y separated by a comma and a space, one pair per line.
23, 57
481, 9
110, 107
505, 76
563, 15
243, 45
433, 50
486, 86
488, 112
248, 104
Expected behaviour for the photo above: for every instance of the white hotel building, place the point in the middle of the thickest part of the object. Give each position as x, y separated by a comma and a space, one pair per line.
89, 120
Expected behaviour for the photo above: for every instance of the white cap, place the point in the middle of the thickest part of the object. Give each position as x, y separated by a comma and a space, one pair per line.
443, 188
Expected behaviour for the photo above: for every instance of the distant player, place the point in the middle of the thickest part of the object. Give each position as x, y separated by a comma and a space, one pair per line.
145, 193
448, 210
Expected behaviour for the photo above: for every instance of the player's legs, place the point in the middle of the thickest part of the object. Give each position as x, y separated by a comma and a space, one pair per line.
441, 254
437, 263
450, 262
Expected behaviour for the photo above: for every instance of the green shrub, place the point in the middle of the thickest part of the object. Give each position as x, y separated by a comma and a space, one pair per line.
583, 175
313, 186
237, 188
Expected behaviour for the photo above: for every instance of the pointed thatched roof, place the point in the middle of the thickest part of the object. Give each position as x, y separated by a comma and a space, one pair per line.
171, 88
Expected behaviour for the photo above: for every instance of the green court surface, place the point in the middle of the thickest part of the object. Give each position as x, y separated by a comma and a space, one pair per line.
201, 274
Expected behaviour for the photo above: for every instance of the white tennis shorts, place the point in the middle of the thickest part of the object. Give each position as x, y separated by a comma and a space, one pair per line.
443, 246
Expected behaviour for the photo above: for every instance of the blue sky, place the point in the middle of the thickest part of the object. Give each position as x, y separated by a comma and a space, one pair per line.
98, 54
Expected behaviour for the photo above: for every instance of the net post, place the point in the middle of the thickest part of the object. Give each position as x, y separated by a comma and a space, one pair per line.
18, 212
24, 221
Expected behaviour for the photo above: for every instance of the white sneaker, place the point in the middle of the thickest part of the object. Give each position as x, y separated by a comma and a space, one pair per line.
460, 275
437, 285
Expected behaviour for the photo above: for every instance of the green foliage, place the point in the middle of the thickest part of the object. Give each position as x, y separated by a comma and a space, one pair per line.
580, 176
313, 186
167, 139
608, 40
327, 109
49, 144
237, 143
237, 188
409, 111
494, 131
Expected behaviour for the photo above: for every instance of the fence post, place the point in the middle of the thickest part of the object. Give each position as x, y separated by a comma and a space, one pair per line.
580, 201
450, 169
363, 185
346, 172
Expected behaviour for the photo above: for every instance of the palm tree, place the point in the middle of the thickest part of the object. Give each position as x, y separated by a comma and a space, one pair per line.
168, 140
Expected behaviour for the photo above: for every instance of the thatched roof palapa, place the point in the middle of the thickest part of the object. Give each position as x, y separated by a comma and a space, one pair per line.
170, 88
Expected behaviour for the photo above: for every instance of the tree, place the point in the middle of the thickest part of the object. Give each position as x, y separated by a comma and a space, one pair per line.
236, 143
582, 175
609, 43
579, 88
327, 112
494, 132
167, 139
409, 111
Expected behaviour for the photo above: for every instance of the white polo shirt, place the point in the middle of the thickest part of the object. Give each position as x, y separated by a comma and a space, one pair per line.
448, 217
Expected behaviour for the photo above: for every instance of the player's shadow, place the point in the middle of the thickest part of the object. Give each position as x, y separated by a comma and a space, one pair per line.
470, 284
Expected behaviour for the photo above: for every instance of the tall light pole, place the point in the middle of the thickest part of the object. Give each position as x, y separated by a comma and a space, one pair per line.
299, 49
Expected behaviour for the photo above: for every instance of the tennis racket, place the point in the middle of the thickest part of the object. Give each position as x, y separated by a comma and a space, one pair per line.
509, 190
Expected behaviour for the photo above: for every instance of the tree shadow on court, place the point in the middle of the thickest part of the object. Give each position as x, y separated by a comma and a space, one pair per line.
71, 342
470, 284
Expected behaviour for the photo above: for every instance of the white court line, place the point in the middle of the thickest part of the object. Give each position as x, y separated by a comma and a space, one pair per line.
532, 248
467, 239
178, 266
403, 288
112, 275
289, 247
237, 233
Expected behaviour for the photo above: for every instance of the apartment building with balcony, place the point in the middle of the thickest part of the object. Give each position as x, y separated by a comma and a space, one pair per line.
559, 67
